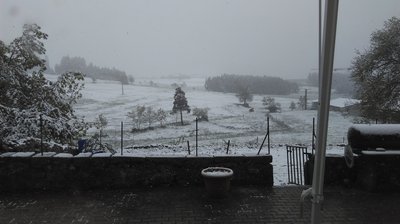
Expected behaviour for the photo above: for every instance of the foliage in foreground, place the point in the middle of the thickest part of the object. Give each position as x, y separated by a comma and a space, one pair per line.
376, 72
28, 101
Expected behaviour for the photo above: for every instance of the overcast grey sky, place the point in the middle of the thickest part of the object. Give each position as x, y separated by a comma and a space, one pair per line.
206, 37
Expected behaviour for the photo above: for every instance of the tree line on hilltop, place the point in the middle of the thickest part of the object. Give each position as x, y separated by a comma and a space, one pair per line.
255, 84
78, 64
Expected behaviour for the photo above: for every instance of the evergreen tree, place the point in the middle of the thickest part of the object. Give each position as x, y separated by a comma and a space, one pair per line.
78, 64
257, 84
180, 102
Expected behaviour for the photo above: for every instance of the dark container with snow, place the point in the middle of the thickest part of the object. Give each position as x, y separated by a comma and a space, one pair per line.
217, 181
81, 145
372, 136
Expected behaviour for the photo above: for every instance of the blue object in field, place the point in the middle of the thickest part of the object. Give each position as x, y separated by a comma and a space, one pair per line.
81, 144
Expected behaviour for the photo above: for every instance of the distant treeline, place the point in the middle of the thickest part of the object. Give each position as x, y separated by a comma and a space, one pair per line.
255, 84
78, 64
341, 82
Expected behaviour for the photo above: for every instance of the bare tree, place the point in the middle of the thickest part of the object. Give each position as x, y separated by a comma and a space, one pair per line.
244, 95
161, 116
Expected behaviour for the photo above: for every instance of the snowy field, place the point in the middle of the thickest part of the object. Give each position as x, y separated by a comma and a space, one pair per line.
227, 120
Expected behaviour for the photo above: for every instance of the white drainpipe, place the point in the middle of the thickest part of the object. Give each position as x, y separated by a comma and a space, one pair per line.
328, 50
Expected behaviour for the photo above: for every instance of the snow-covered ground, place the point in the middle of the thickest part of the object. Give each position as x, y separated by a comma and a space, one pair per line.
227, 120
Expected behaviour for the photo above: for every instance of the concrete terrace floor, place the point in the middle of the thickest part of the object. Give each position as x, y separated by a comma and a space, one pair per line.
192, 205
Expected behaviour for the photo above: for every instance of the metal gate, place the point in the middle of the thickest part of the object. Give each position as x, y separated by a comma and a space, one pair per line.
296, 158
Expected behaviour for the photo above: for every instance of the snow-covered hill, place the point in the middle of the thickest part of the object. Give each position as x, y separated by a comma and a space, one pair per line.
227, 120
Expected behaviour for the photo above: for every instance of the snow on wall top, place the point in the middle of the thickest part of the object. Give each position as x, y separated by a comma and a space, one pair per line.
23, 154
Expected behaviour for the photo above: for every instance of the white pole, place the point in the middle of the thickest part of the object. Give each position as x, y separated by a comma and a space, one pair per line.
328, 50
319, 40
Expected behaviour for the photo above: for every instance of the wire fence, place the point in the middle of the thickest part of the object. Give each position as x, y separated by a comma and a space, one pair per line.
125, 136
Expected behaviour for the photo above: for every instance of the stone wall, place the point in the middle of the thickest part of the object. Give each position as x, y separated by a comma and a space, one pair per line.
336, 171
369, 172
74, 173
